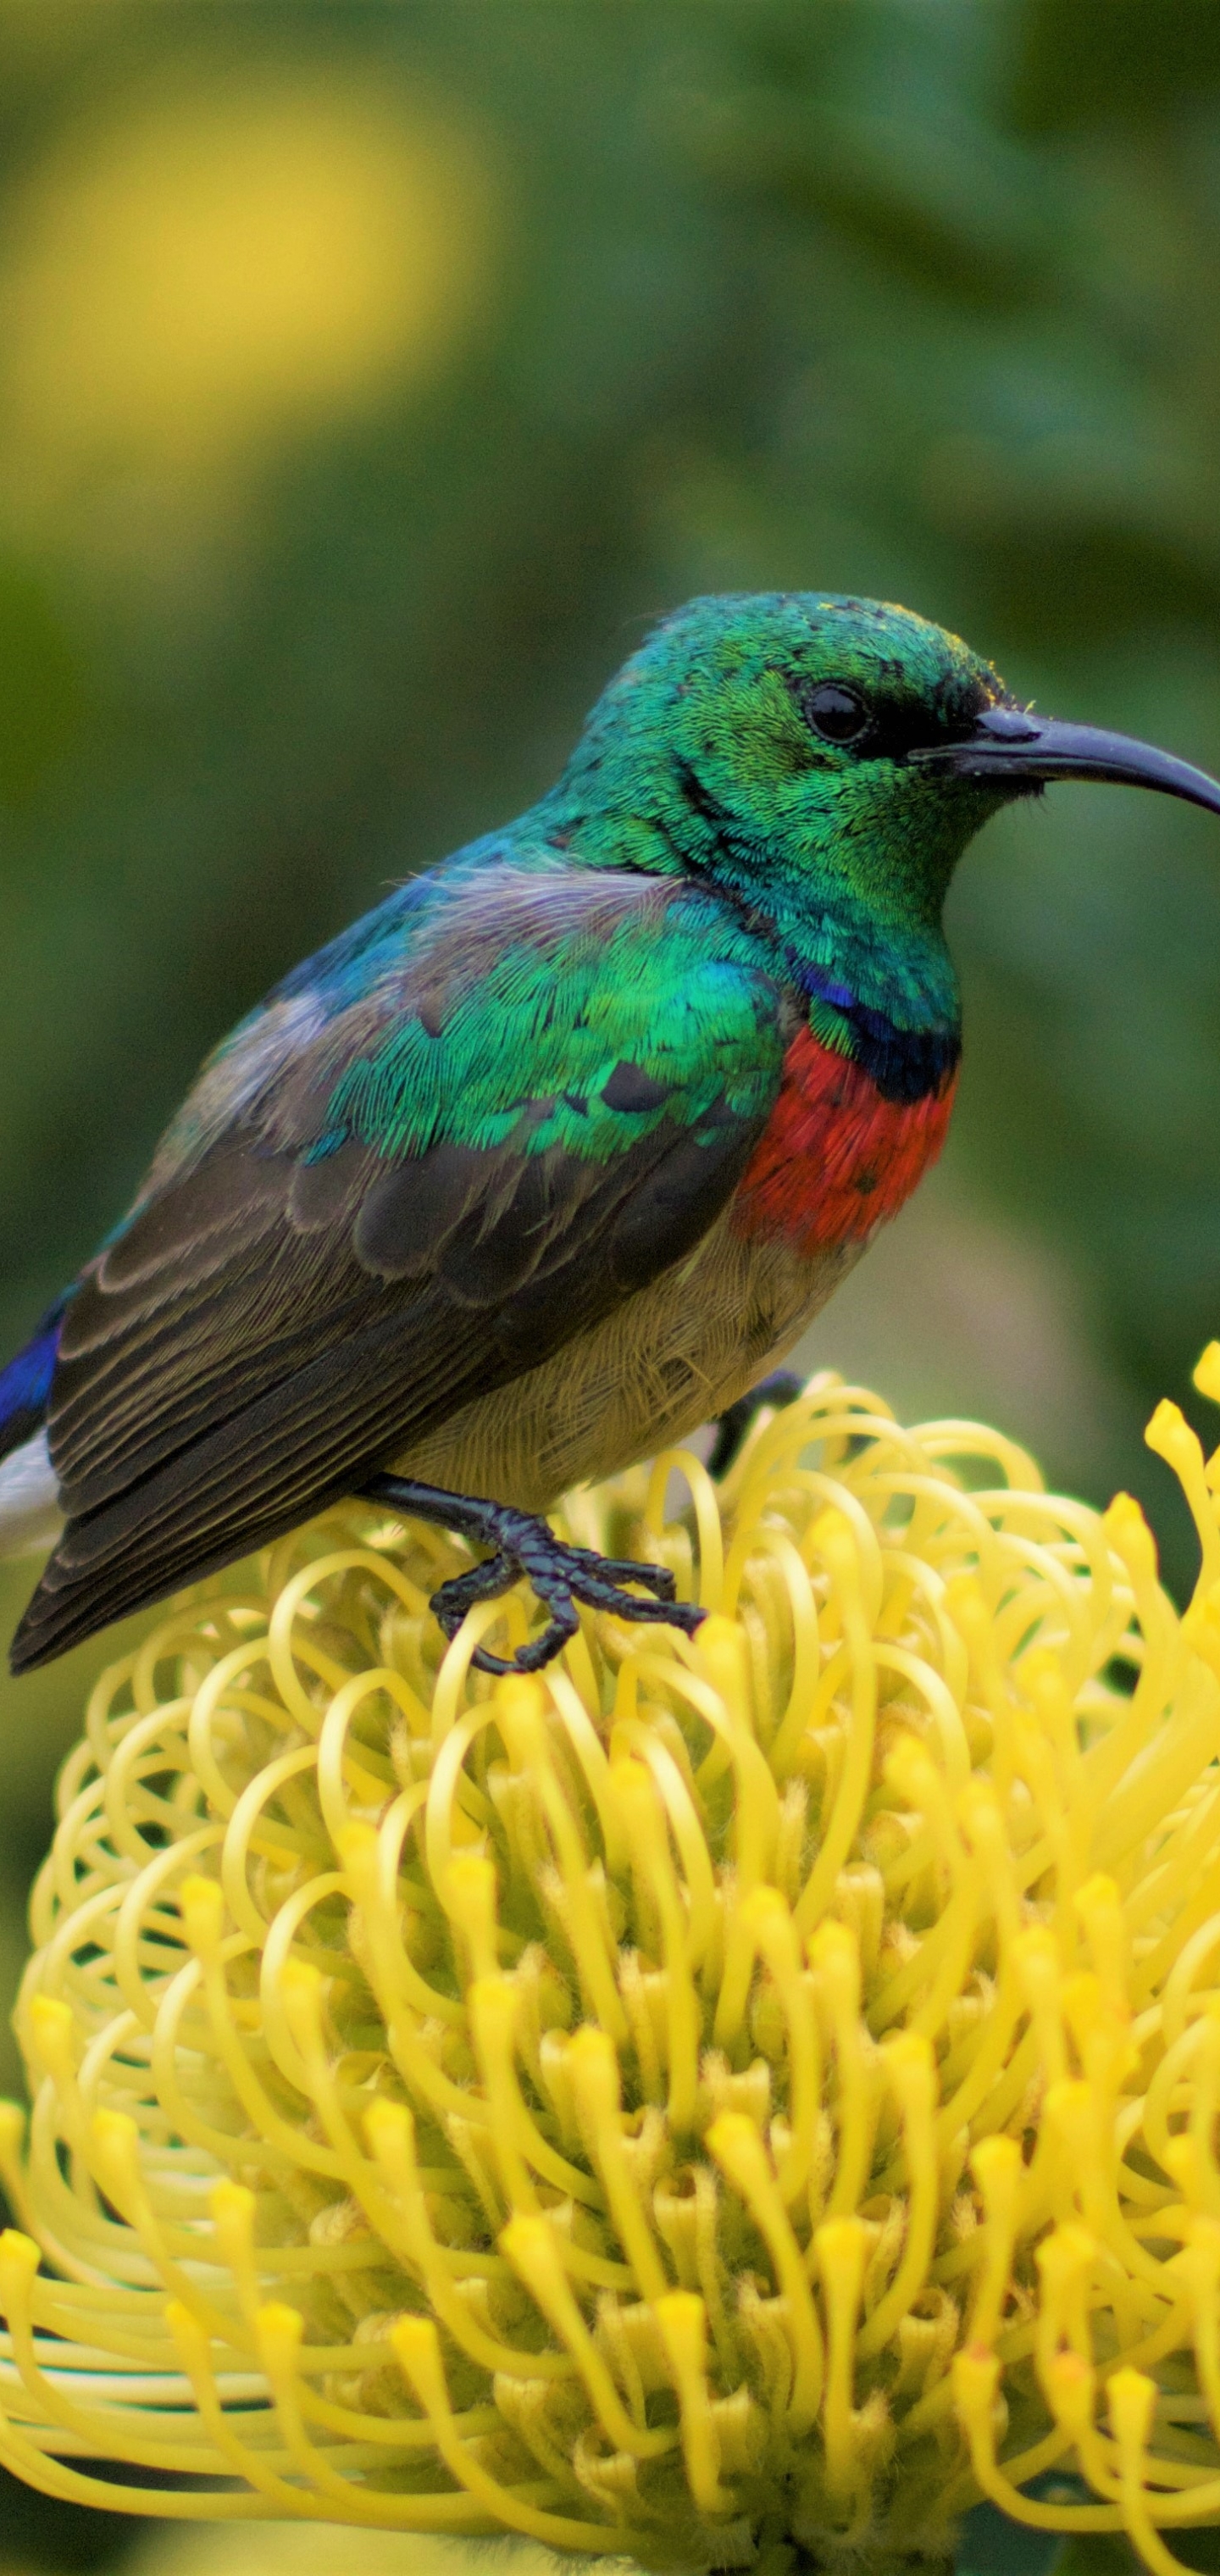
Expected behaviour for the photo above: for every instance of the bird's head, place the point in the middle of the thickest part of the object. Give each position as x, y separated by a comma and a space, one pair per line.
827, 758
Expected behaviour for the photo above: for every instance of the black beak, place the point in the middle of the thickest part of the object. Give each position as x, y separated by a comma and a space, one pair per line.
1008, 744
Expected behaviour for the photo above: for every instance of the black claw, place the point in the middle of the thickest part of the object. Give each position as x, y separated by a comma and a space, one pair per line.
733, 1424
450, 1603
561, 1575
623, 1569
537, 1651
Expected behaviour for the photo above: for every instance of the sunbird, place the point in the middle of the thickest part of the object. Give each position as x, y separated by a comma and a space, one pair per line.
551, 1157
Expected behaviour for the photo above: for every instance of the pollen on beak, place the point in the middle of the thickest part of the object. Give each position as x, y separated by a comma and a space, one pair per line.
1010, 743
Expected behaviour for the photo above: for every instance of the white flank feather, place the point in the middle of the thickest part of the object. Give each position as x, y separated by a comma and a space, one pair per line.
30, 1515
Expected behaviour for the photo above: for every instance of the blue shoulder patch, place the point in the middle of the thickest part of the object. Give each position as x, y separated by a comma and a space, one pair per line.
25, 1385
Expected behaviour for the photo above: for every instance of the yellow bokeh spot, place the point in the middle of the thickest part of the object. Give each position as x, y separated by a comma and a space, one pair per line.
224, 267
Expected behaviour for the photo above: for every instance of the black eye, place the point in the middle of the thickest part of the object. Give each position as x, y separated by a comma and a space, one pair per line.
836, 713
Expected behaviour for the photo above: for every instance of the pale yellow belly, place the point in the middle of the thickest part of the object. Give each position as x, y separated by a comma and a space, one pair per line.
668, 1359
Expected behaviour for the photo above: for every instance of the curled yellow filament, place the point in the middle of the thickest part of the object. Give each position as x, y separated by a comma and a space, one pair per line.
720, 2091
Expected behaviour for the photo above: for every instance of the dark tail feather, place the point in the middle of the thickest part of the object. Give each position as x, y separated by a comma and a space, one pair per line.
25, 1385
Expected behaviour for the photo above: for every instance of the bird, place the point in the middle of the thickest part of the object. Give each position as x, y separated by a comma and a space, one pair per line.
553, 1155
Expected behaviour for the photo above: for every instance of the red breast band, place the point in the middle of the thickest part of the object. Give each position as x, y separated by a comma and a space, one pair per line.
836, 1158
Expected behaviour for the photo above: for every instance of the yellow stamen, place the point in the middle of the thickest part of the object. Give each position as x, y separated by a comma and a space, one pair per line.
781, 2062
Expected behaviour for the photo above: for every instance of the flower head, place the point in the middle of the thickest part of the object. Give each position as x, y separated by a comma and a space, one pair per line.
718, 2094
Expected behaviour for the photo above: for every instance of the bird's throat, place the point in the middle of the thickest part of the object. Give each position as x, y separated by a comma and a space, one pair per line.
838, 1157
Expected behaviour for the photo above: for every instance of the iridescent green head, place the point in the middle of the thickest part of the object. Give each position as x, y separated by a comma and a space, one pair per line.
826, 760
767, 740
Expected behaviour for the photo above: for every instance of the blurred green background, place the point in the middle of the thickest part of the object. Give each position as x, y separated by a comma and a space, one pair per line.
371, 376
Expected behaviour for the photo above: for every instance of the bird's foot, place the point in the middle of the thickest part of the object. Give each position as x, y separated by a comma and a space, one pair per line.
523, 1543
733, 1424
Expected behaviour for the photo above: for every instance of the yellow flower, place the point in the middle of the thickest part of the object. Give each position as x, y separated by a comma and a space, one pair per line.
716, 2095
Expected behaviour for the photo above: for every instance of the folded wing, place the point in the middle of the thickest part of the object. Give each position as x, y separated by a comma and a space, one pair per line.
384, 1201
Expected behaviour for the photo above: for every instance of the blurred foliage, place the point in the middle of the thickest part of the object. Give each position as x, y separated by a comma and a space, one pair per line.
369, 377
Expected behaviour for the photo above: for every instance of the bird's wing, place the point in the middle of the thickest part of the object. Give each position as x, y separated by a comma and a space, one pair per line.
382, 1201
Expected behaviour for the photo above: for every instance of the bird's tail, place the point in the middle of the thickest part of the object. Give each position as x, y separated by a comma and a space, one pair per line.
30, 1517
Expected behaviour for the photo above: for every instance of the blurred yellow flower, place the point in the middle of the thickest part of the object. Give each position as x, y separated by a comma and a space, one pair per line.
712, 2096
214, 269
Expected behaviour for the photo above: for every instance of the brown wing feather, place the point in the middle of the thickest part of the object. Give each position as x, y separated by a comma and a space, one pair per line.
335, 1399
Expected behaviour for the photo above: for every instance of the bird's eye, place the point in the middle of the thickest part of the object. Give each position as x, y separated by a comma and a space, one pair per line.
836, 713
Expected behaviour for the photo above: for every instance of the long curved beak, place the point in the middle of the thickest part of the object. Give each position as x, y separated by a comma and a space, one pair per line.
1007, 743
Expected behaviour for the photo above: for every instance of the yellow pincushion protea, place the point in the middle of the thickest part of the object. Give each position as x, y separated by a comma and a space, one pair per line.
719, 2094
